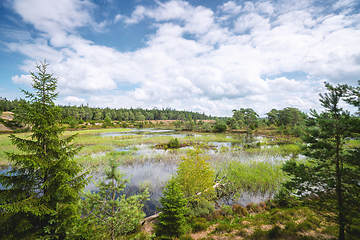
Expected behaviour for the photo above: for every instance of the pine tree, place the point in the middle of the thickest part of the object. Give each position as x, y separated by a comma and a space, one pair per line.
331, 175
42, 190
112, 213
172, 222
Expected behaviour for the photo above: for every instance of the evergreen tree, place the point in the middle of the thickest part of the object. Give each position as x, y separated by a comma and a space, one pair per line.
41, 194
110, 210
172, 222
331, 175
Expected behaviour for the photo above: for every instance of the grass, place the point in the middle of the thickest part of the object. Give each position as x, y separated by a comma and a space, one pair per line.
272, 223
251, 176
94, 143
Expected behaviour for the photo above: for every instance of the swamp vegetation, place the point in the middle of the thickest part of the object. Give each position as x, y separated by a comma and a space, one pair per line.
217, 178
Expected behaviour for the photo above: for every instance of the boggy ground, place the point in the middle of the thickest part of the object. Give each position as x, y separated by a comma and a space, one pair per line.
257, 221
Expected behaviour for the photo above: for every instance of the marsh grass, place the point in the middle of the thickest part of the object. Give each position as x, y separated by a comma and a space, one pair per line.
252, 176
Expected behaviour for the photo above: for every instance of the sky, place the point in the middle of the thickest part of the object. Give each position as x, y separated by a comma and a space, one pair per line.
208, 56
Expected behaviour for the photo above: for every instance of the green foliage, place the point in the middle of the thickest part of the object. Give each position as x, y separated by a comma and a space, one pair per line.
284, 198
110, 211
201, 208
330, 178
198, 224
108, 121
178, 123
195, 175
220, 127
173, 143
171, 221
287, 116
125, 125
72, 123
246, 116
189, 125
205, 127
223, 228
42, 189
251, 176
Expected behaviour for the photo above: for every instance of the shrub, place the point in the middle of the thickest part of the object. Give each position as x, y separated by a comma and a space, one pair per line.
223, 228
284, 199
200, 224
218, 214
227, 210
274, 232
125, 125
186, 237
202, 208
173, 143
72, 123
220, 127
290, 226
240, 210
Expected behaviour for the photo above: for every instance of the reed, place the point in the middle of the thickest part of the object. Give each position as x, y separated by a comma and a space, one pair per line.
252, 176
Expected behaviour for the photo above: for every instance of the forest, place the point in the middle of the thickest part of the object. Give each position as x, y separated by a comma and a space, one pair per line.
76, 172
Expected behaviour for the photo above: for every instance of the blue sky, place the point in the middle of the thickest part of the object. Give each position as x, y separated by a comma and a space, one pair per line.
200, 55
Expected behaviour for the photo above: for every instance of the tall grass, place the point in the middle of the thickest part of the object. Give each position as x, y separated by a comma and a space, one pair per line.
252, 176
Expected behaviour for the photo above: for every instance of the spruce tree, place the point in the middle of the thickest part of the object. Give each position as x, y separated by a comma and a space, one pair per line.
109, 210
42, 189
331, 175
172, 222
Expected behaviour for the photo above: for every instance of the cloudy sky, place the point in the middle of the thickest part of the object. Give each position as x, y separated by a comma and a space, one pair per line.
209, 56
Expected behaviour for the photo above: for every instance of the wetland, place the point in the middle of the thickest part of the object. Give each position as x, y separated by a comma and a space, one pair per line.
251, 162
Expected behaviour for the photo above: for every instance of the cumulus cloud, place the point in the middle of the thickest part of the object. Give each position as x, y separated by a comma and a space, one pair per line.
74, 100
231, 7
198, 59
23, 79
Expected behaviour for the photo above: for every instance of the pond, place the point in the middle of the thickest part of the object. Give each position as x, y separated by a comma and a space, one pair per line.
147, 166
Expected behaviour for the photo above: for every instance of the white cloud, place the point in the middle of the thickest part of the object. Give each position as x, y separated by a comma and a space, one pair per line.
23, 79
231, 7
343, 3
253, 22
193, 61
74, 100
118, 17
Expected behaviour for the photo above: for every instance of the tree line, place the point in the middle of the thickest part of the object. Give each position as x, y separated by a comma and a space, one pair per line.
242, 118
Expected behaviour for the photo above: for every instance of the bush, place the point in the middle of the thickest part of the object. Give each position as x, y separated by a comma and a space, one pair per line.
220, 127
274, 232
227, 210
284, 199
72, 123
223, 228
173, 143
201, 208
199, 224
125, 125
240, 210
